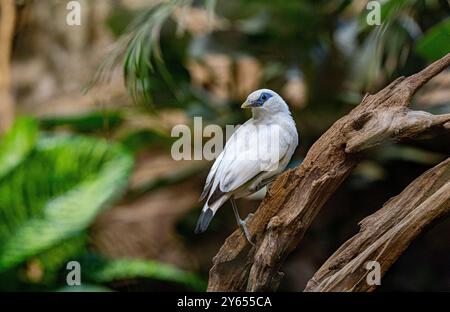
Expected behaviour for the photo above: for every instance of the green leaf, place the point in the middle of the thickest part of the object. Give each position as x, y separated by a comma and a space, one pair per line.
16, 144
138, 140
406, 153
53, 261
101, 270
56, 192
84, 288
139, 52
87, 122
143, 52
436, 41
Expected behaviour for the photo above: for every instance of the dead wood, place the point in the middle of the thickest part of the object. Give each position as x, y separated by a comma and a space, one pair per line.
385, 234
296, 196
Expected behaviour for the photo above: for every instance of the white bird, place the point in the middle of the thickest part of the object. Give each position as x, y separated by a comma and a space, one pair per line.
254, 155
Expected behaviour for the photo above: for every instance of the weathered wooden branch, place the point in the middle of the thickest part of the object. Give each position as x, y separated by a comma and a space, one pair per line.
385, 234
7, 23
297, 196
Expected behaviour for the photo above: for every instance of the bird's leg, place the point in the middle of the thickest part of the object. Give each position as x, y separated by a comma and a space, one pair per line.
267, 183
269, 187
248, 217
242, 223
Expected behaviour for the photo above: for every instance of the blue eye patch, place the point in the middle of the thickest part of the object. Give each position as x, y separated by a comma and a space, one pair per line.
263, 98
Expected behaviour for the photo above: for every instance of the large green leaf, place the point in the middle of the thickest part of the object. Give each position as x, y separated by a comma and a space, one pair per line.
56, 192
84, 288
436, 41
16, 144
101, 270
95, 121
139, 52
52, 262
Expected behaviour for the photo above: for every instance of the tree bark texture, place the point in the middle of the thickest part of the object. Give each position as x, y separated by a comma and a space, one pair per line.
384, 235
296, 196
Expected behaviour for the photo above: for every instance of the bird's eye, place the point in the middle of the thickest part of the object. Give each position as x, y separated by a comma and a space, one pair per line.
263, 97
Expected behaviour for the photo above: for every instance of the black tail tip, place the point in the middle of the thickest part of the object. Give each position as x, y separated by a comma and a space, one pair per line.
203, 221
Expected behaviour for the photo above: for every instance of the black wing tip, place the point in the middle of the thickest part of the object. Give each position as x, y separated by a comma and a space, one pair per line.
203, 195
203, 221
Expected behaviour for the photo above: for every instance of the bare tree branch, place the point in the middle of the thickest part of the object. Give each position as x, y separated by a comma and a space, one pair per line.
385, 234
296, 197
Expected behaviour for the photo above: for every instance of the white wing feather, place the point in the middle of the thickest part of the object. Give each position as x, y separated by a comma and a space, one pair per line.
242, 161
211, 174
254, 154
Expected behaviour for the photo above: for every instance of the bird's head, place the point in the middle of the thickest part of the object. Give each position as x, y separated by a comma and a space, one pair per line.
266, 100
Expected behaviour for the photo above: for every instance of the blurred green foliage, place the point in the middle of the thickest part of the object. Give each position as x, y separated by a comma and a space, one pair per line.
100, 271
338, 55
436, 41
327, 45
16, 145
56, 192
52, 186
96, 121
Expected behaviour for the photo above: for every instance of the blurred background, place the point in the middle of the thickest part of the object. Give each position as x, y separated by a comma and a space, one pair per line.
86, 113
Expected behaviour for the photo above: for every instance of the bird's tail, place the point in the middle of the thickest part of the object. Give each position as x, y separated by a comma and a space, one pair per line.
208, 213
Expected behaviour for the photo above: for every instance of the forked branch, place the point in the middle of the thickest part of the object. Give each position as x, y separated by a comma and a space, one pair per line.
296, 197
385, 234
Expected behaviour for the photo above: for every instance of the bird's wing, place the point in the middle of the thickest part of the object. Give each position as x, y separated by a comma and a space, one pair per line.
250, 153
239, 163
210, 177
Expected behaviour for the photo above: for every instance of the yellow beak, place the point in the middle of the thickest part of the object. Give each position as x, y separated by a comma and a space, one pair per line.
245, 105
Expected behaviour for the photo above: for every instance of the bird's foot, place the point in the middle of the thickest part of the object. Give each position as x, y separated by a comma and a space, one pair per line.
269, 188
243, 226
248, 217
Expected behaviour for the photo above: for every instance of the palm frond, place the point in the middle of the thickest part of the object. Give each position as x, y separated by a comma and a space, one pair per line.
101, 270
386, 46
55, 193
140, 52
53, 261
16, 144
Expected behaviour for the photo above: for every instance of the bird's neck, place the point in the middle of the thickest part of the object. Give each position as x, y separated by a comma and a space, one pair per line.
260, 114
